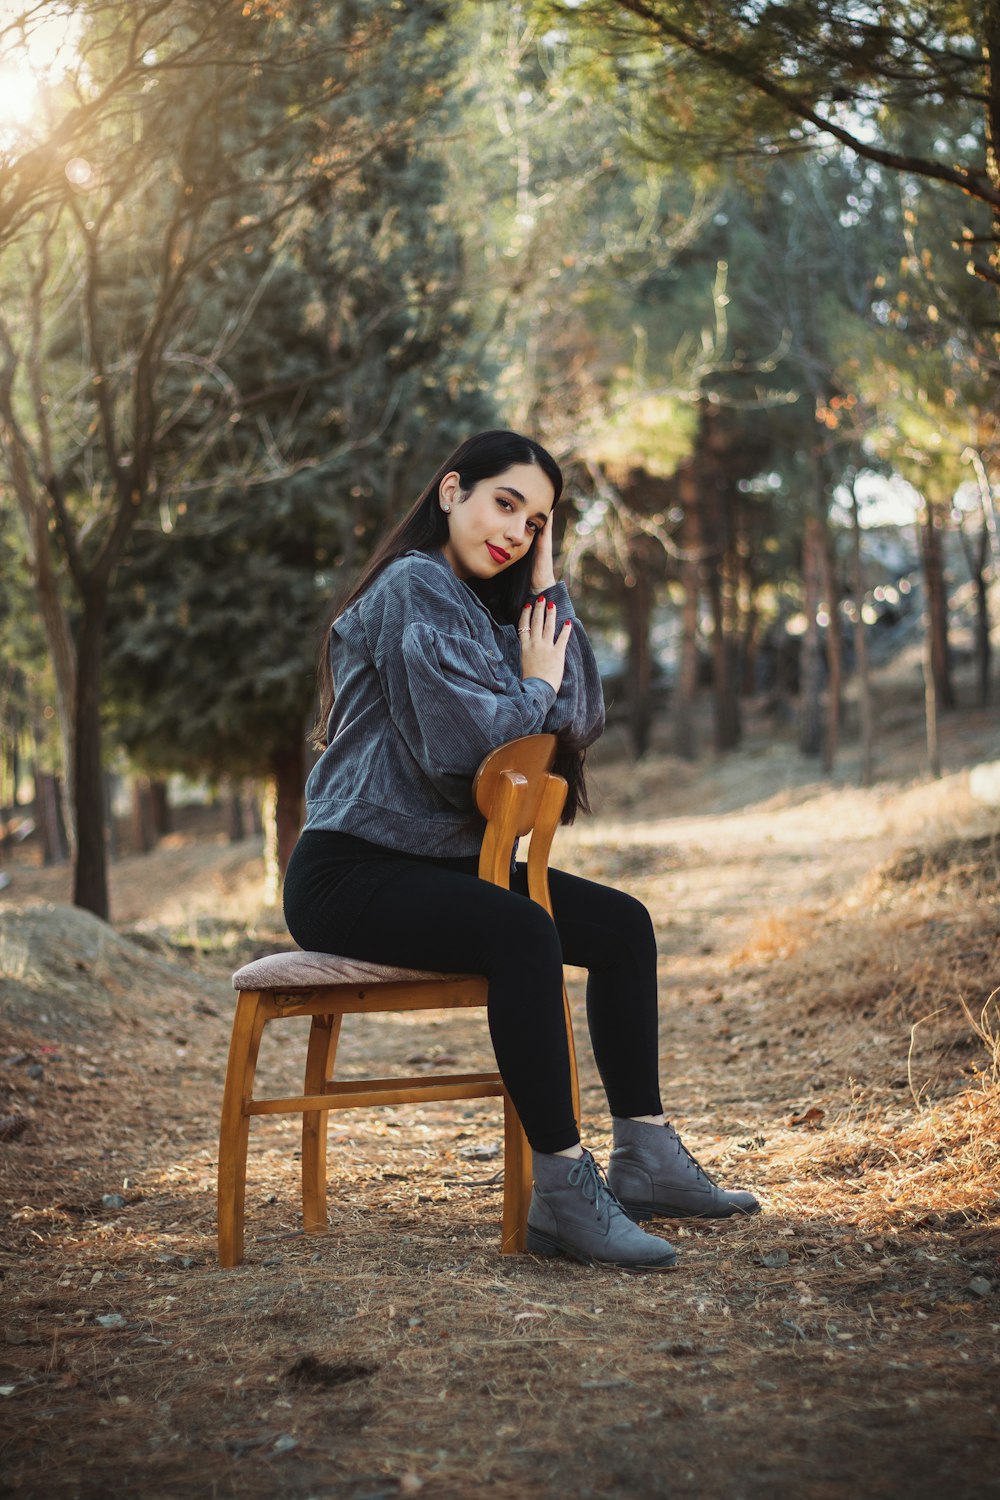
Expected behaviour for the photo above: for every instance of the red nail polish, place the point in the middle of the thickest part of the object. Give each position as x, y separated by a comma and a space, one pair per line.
551, 606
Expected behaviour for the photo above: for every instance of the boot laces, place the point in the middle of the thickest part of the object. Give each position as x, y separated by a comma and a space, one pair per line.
682, 1150
588, 1177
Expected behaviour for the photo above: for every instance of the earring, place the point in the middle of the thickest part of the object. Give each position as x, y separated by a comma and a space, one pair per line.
446, 509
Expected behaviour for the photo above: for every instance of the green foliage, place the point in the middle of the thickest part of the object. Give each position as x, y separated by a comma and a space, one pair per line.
314, 245
350, 382
744, 73
564, 226
911, 89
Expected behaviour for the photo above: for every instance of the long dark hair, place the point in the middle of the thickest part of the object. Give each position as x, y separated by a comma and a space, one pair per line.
424, 528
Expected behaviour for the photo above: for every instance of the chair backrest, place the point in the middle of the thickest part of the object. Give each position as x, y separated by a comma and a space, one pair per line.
517, 793
532, 758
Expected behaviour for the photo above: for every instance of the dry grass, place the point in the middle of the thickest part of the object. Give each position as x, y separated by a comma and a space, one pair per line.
908, 955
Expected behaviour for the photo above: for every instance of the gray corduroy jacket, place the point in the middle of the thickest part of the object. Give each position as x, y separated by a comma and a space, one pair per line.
427, 684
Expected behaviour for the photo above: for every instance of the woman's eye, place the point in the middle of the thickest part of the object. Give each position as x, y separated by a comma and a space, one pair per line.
504, 504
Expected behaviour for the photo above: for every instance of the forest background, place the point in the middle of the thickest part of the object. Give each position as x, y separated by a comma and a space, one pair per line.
262, 266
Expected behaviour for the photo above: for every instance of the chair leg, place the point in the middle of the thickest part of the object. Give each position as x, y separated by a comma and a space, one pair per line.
516, 1182
252, 1012
323, 1036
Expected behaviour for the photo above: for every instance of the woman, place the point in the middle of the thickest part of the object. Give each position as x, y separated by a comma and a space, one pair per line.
458, 638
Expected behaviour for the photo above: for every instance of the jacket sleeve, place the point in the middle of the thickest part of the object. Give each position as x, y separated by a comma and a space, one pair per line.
577, 715
451, 698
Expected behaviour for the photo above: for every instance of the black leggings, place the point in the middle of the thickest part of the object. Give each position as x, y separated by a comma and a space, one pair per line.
438, 915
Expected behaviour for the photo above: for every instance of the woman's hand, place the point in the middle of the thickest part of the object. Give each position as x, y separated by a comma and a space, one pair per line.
543, 574
543, 653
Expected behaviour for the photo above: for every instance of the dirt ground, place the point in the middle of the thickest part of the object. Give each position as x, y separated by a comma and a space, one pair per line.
828, 955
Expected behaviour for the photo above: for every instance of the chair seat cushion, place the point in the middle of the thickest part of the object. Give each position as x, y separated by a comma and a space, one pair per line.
305, 971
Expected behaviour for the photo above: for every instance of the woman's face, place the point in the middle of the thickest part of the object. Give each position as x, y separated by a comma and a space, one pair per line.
497, 521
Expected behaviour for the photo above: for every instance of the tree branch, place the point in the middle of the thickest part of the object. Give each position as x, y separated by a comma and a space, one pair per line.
976, 185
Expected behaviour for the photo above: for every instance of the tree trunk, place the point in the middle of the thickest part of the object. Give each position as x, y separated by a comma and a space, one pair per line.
48, 811
90, 875
638, 668
936, 593
983, 647
112, 833
718, 545
251, 802
834, 651
977, 552
58, 635
235, 822
8, 786
59, 795
159, 801
720, 692
283, 812
811, 663
143, 828
720, 683
861, 645
725, 652
732, 623
685, 697
931, 704
749, 615
12, 772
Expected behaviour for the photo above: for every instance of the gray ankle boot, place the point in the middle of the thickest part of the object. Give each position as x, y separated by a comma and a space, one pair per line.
650, 1172
573, 1213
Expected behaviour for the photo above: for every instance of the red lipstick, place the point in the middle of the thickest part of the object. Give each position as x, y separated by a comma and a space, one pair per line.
497, 553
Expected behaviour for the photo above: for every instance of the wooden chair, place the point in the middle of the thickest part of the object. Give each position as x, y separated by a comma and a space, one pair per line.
517, 793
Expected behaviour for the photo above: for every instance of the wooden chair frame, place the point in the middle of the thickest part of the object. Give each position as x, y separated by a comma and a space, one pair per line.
517, 793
